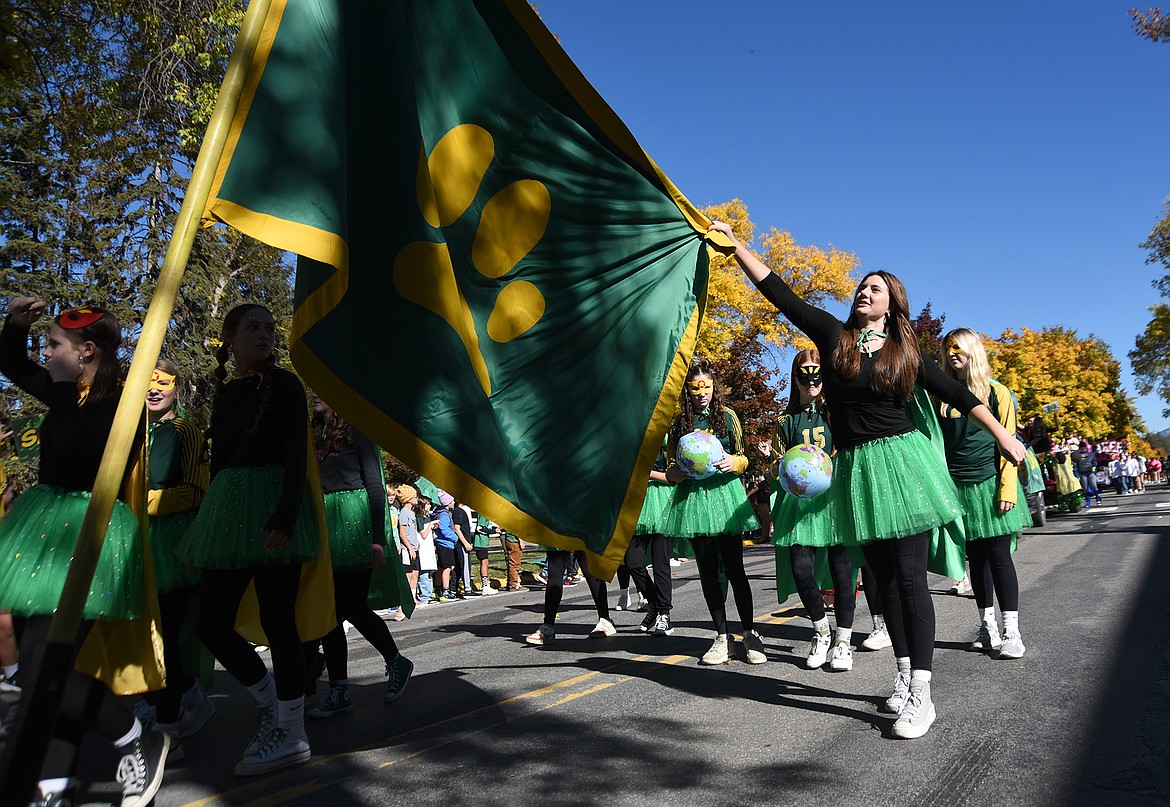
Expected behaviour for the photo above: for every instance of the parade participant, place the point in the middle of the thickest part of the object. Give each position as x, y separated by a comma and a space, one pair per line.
656, 589
558, 562
408, 535
802, 526
989, 492
178, 476
355, 512
714, 513
483, 533
257, 527
890, 487
446, 538
80, 384
879, 637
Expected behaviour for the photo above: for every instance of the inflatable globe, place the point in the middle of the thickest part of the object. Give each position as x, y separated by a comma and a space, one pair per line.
806, 471
697, 454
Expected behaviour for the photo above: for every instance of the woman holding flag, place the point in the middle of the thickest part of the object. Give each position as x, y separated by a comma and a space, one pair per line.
891, 489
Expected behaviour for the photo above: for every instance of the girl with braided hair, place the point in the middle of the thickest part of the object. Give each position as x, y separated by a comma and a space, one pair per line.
80, 384
257, 526
714, 513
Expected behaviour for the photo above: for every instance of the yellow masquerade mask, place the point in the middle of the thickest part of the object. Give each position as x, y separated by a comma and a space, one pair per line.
700, 386
162, 381
953, 347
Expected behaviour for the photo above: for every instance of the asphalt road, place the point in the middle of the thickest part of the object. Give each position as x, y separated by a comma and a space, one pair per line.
631, 719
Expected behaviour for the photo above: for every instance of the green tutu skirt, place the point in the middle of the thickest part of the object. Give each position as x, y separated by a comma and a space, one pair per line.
981, 516
654, 508
228, 533
717, 505
347, 514
891, 487
37, 539
803, 522
171, 573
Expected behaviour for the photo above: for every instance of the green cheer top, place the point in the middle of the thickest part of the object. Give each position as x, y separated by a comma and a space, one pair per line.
972, 455
806, 426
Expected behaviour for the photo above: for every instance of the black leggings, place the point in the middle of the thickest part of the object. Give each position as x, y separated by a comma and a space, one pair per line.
172, 606
86, 703
351, 591
657, 590
994, 573
220, 593
899, 567
844, 582
873, 597
708, 553
558, 561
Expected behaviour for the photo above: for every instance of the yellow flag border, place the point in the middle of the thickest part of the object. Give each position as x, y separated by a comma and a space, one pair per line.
331, 249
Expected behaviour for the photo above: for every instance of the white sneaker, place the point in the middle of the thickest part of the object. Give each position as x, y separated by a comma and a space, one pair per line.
893, 704
486, 587
842, 657
988, 638
282, 748
961, 587
623, 603
604, 627
753, 646
639, 603
192, 719
818, 651
879, 639
543, 635
917, 713
265, 722
1013, 645
718, 652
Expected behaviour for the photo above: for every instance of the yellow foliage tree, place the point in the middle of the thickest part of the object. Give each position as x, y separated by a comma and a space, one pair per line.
737, 313
1054, 365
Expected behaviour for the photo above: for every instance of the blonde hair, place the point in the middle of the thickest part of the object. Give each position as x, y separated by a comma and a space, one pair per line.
978, 378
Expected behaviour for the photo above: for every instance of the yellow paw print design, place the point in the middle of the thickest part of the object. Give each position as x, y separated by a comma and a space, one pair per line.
511, 224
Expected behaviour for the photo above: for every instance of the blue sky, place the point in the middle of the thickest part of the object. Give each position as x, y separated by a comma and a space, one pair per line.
1004, 159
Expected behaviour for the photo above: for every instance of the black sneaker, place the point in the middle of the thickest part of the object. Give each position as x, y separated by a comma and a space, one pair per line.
141, 770
662, 626
648, 621
398, 675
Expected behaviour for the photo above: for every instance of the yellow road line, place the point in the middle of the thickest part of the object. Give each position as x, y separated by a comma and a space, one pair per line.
314, 785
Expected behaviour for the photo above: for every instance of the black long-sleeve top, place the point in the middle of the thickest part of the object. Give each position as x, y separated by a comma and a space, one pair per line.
73, 436
281, 437
357, 466
857, 413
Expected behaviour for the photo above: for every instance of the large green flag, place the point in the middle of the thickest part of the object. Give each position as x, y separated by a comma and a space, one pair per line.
496, 283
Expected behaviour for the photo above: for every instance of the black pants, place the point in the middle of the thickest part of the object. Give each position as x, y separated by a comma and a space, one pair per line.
899, 567
558, 561
657, 589
993, 574
708, 554
873, 597
220, 593
844, 583
351, 590
87, 703
172, 608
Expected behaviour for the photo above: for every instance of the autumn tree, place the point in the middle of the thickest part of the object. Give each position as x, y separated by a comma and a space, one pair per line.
737, 313
1152, 23
1054, 365
929, 330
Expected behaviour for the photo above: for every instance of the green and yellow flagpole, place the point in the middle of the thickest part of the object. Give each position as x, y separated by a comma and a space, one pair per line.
45, 674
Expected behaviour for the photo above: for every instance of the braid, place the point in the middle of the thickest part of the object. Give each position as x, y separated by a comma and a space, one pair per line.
220, 375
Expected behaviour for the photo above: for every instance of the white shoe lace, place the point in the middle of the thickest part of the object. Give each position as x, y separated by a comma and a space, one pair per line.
272, 743
911, 707
132, 773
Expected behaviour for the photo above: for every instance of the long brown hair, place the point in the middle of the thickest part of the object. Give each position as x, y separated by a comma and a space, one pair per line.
897, 363
685, 422
794, 397
330, 433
